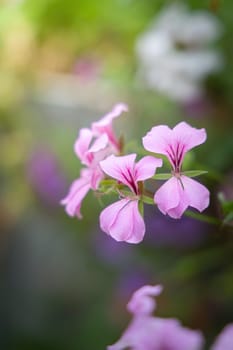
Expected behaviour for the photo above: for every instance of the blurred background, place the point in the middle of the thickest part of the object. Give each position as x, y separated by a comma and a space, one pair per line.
63, 65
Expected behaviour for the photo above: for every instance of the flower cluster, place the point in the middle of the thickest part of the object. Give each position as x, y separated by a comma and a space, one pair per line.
147, 332
101, 152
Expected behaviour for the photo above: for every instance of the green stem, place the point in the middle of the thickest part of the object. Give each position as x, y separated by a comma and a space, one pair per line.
203, 217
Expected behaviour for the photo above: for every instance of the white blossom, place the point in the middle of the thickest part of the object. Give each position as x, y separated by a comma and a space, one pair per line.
175, 53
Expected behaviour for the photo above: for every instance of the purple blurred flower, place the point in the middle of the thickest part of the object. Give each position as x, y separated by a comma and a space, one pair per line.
225, 340
146, 332
45, 176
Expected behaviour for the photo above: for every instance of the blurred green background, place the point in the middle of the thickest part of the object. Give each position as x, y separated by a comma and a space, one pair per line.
64, 283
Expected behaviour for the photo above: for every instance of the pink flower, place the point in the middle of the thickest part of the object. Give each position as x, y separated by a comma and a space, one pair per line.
92, 146
180, 191
122, 219
225, 340
146, 332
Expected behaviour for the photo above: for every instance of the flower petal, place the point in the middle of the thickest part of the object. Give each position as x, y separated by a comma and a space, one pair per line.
142, 302
78, 190
81, 145
178, 211
176, 337
120, 168
108, 216
123, 222
146, 332
157, 139
96, 176
103, 124
155, 333
168, 195
197, 195
139, 335
146, 167
224, 340
174, 143
99, 144
176, 195
189, 136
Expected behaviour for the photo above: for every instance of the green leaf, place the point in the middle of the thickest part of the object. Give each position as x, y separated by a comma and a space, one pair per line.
126, 193
194, 173
228, 218
190, 173
107, 182
161, 176
147, 200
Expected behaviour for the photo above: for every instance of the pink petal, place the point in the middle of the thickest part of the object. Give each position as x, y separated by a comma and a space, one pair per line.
176, 337
99, 144
146, 167
78, 190
173, 143
82, 143
154, 333
100, 126
157, 139
225, 339
104, 125
119, 167
167, 196
109, 215
146, 332
178, 211
189, 136
137, 335
197, 195
123, 222
142, 302
174, 197
96, 177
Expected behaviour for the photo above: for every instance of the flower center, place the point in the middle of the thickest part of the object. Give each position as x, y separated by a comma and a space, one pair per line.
130, 180
176, 154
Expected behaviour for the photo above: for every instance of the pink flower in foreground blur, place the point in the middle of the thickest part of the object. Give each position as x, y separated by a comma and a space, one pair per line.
92, 146
180, 191
146, 332
122, 219
225, 340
